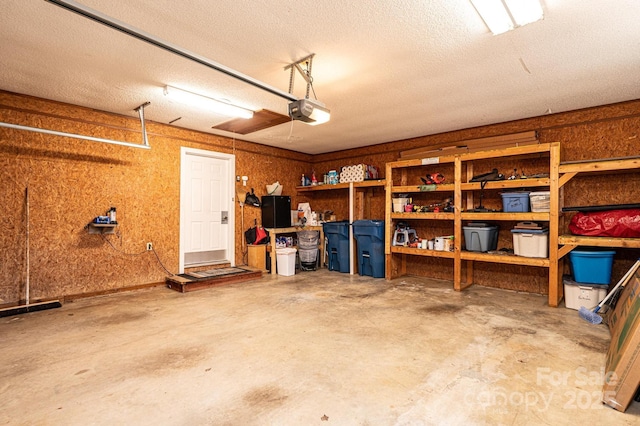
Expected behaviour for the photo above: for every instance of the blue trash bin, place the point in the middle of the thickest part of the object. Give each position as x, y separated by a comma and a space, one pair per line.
370, 237
337, 235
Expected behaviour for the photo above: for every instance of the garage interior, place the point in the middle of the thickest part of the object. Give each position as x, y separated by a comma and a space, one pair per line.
319, 346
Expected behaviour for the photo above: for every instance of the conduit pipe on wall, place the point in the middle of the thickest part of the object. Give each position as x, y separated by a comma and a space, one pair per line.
140, 110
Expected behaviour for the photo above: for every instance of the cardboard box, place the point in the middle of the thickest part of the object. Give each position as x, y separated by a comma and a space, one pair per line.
623, 358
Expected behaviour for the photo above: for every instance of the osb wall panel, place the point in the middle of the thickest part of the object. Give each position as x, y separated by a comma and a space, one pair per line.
71, 181
601, 132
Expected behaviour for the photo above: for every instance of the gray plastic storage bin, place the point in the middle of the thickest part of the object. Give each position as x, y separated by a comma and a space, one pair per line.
480, 237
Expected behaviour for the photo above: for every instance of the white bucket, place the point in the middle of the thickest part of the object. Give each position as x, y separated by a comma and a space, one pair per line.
439, 244
399, 203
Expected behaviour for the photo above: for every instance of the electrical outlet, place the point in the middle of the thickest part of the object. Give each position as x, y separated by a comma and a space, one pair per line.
149, 246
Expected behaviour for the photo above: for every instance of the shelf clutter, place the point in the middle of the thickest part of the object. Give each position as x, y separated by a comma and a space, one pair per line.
534, 199
105, 224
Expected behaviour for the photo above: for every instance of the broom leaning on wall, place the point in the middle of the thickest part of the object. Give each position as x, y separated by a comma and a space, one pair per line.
28, 307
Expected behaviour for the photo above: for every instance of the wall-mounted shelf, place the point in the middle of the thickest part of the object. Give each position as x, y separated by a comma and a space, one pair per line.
432, 216
346, 185
420, 188
506, 184
520, 217
101, 228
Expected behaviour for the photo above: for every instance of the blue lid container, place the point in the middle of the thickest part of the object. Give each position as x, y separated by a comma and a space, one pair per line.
515, 202
591, 266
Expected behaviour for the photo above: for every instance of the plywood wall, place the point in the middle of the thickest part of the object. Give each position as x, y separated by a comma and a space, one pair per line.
601, 132
71, 181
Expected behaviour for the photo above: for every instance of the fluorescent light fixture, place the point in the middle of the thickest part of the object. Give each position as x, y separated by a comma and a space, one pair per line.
309, 111
505, 15
219, 107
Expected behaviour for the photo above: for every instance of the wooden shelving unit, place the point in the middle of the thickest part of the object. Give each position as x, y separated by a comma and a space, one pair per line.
462, 191
569, 170
396, 256
558, 175
356, 195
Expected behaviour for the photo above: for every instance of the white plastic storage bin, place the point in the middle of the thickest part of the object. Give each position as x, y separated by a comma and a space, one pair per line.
581, 294
531, 242
540, 201
286, 261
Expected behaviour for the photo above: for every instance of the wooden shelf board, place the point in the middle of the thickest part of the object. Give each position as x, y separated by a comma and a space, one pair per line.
500, 258
578, 240
418, 162
416, 188
603, 165
431, 216
101, 228
529, 216
327, 187
504, 184
540, 149
422, 252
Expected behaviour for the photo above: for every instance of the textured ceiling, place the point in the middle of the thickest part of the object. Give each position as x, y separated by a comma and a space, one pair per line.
388, 70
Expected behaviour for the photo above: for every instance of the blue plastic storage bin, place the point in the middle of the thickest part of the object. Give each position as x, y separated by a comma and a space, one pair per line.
515, 202
337, 235
369, 235
591, 266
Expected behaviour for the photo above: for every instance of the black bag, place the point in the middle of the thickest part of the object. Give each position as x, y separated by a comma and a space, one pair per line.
250, 235
256, 235
252, 199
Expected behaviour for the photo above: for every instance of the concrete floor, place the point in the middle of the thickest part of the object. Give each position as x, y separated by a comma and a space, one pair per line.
318, 348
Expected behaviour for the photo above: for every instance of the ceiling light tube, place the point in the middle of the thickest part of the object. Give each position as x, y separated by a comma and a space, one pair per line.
219, 107
505, 15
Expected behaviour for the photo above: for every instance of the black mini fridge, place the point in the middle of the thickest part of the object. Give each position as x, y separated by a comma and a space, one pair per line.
276, 211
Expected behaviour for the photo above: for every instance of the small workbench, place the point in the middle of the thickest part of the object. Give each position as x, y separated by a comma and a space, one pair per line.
273, 233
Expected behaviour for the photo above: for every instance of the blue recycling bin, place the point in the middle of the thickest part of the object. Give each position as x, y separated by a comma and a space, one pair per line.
370, 237
337, 235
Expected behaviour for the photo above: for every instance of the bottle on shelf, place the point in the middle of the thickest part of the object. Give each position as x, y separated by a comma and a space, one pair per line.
112, 215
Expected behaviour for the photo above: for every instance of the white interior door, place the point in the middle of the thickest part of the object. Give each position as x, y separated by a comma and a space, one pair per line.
206, 208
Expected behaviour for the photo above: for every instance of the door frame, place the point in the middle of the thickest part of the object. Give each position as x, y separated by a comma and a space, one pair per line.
231, 159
